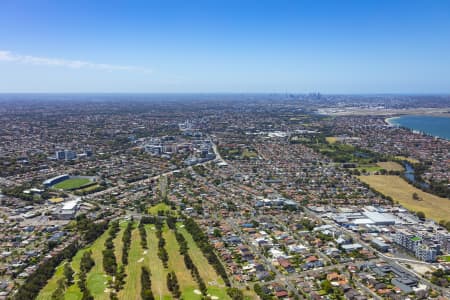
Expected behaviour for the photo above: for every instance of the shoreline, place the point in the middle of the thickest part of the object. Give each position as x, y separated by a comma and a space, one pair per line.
391, 123
390, 119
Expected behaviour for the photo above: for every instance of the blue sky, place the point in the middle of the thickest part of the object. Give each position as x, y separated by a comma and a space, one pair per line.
364, 46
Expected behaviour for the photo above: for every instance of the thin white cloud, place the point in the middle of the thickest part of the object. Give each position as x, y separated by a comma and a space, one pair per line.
71, 64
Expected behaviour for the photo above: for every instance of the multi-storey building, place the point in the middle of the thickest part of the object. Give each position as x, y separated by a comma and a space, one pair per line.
414, 244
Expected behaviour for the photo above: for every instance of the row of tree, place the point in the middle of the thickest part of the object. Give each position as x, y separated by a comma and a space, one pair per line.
162, 252
91, 230
146, 284
37, 280
88, 230
63, 283
172, 285
86, 264
143, 234
58, 293
208, 251
149, 220
187, 259
109, 259
126, 242
235, 293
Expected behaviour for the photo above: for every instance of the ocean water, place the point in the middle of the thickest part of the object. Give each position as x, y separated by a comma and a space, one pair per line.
432, 125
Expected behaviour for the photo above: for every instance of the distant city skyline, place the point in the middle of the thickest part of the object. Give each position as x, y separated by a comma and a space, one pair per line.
332, 47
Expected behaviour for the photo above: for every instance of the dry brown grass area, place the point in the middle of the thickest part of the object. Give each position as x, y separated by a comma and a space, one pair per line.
408, 159
390, 166
434, 207
331, 139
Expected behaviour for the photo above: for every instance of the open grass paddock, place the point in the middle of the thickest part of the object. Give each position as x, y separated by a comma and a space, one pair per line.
408, 159
390, 166
434, 207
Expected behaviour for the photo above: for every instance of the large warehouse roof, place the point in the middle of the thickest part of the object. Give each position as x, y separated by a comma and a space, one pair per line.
377, 217
70, 204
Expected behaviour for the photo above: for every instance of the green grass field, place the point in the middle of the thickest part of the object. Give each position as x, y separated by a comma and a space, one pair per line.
249, 154
136, 259
96, 278
176, 264
73, 292
388, 166
90, 188
158, 273
214, 282
445, 258
160, 206
118, 242
369, 168
72, 183
51, 285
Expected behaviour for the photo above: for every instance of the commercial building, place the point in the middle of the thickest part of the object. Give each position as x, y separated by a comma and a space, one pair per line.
381, 218
70, 155
406, 284
55, 180
68, 210
65, 155
380, 245
60, 155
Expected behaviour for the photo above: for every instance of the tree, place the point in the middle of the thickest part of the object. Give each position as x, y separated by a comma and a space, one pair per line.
120, 277
68, 273
420, 215
87, 295
143, 235
146, 291
82, 281
415, 196
172, 285
202, 242
87, 262
217, 233
35, 282
326, 286
235, 294
58, 294
126, 240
